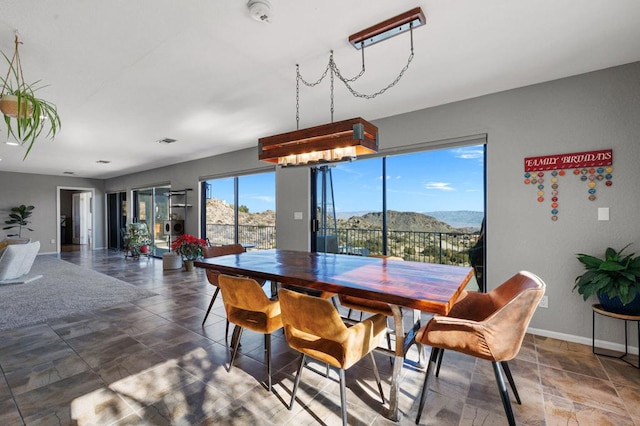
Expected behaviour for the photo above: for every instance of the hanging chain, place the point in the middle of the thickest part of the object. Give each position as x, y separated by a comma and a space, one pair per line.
357, 94
297, 97
17, 70
331, 91
335, 71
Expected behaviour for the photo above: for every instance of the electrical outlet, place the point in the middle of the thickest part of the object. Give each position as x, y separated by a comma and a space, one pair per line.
544, 302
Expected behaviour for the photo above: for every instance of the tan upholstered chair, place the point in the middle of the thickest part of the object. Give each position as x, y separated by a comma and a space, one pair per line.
313, 327
489, 326
212, 275
248, 306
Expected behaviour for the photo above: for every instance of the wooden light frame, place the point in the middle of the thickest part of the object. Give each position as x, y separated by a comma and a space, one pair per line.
389, 28
330, 142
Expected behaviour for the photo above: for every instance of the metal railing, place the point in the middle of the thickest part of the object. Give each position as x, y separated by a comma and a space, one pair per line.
254, 236
449, 248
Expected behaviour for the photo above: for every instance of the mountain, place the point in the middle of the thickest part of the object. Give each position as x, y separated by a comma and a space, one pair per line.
219, 212
469, 220
460, 219
399, 221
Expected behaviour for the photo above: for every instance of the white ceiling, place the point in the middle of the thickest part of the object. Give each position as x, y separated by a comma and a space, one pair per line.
125, 74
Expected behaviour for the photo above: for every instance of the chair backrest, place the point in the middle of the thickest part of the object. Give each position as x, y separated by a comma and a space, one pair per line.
215, 251
515, 301
242, 293
312, 315
491, 326
16, 260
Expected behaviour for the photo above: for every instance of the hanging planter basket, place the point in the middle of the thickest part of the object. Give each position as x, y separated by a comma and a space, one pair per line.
25, 115
10, 106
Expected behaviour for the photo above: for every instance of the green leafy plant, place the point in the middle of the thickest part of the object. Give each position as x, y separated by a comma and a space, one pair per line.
31, 114
616, 275
134, 237
18, 218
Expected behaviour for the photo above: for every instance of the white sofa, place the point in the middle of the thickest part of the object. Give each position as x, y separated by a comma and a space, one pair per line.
16, 260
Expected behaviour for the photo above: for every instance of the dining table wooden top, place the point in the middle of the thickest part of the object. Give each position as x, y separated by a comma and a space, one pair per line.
425, 286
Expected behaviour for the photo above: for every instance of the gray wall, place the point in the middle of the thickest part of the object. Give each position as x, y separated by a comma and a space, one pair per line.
41, 192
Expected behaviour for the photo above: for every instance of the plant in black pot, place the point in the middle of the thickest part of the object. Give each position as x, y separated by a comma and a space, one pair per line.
615, 280
19, 218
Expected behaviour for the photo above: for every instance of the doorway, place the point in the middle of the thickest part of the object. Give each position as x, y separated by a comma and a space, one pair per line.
75, 207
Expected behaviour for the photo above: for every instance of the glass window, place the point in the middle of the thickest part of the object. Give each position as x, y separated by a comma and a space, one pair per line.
241, 210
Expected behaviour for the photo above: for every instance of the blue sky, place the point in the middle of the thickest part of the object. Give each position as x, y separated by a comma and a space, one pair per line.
450, 179
447, 179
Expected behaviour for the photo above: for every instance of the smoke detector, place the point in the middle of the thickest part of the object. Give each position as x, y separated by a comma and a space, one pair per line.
260, 10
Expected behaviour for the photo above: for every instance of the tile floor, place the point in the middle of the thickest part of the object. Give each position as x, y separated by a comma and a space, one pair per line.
150, 362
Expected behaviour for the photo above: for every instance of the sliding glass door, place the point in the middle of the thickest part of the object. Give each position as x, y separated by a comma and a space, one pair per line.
116, 219
423, 206
151, 207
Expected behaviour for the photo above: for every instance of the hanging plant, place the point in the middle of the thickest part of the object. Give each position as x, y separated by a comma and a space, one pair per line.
25, 115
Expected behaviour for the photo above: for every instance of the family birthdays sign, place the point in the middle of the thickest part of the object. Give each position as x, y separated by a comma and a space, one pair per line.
591, 167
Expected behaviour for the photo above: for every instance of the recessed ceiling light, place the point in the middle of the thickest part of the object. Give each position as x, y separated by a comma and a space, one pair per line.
167, 140
103, 161
68, 173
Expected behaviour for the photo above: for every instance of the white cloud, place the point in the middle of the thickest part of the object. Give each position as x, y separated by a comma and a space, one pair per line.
473, 153
440, 186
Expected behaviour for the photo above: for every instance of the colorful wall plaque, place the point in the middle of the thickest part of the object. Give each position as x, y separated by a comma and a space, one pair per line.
591, 167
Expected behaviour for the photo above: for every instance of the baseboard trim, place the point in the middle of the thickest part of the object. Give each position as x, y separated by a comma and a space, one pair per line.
603, 344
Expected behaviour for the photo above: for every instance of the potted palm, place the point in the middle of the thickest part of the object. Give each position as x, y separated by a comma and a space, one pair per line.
614, 279
19, 218
25, 114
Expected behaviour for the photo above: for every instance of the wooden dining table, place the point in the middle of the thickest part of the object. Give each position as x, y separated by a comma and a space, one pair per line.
419, 286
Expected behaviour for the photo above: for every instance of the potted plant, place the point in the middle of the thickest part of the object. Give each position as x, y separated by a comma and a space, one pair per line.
25, 114
190, 248
18, 218
615, 280
136, 236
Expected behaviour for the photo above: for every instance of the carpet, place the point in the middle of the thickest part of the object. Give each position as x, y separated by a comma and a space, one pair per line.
63, 290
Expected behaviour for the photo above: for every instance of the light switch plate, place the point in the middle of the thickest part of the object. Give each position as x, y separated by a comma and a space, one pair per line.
603, 213
297, 215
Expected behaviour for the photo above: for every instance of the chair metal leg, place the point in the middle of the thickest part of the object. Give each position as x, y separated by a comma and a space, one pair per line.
235, 340
376, 373
267, 345
226, 333
343, 397
425, 386
440, 356
297, 381
507, 372
504, 394
213, 299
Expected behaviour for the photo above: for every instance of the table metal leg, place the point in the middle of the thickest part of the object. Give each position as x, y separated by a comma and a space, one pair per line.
394, 412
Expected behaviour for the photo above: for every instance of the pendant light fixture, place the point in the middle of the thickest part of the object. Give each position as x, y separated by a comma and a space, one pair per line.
344, 140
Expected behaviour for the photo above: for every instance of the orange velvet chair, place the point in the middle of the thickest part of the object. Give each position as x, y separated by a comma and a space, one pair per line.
212, 275
313, 327
248, 306
489, 326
